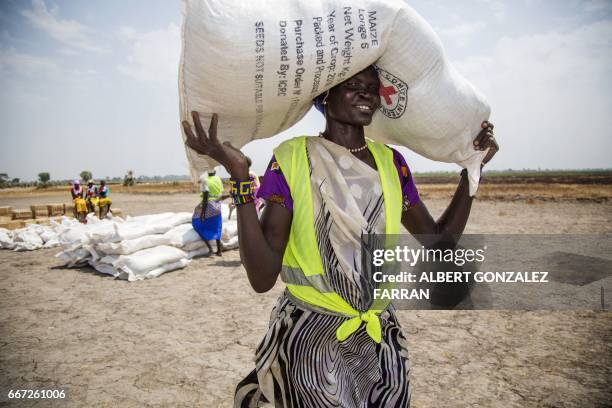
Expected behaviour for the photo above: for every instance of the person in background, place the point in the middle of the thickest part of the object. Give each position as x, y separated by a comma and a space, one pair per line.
104, 202
207, 219
91, 196
215, 186
80, 206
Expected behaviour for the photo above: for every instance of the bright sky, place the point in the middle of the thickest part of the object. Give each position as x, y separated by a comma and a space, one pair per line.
93, 85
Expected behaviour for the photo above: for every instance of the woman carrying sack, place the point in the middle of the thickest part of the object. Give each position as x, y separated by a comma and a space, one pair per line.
327, 343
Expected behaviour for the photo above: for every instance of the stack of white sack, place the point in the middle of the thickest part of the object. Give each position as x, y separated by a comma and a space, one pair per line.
259, 64
140, 247
35, 236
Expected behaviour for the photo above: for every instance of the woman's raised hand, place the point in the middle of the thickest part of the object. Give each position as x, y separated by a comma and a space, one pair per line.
234, 161
485, 140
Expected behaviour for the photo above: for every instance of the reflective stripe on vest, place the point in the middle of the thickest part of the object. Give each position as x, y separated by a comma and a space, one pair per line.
302, 264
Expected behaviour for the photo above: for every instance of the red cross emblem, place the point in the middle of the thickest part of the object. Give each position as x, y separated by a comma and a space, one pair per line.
386, 92
394, 106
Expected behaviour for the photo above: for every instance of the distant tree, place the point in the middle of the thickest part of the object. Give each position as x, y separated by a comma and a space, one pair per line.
86, 175
15, 181
3, 180
43, 179
128, 179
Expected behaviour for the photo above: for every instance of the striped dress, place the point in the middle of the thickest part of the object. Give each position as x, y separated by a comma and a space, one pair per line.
300, 362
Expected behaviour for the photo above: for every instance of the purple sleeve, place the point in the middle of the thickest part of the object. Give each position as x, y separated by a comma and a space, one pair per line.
409, 190
274, 187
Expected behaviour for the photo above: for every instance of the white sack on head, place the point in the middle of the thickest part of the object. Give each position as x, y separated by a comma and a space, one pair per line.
259, 64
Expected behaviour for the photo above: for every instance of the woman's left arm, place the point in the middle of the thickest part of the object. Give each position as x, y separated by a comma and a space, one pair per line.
417, 218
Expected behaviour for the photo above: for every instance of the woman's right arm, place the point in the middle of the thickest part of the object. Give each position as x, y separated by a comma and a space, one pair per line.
262, 244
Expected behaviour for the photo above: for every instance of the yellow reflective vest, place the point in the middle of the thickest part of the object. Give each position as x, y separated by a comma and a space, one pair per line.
215, 187
303, 271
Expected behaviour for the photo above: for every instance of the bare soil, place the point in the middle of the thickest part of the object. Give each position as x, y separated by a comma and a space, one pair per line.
187, 338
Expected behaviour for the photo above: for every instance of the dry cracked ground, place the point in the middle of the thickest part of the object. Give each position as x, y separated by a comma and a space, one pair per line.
187, 338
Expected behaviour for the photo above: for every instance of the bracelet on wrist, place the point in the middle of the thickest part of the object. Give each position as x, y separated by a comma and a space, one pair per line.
241, 191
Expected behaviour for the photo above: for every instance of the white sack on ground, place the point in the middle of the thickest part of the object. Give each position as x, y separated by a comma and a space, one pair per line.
74, 257
77, 234
138, 227
27, 239
259, 64
194, 245
196, 253
122, 249
6, 239
230, 229
130, 246
105, 269
225, 212
182, 235
162, 269
138, 264
105, 265
231, 243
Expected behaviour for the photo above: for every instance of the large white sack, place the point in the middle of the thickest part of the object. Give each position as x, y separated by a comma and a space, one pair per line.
181, 263
259, 64
130, 246
64, 224
74, 257
6, 239
105, 265
224, 212
105, 269
26, 239
48, 234
52, 243
231, 243
138, 227
182, 235
196, 253
230, 230
194, 245
142, 262
76, 235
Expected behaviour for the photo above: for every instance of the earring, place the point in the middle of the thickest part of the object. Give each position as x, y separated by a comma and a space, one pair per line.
325, 98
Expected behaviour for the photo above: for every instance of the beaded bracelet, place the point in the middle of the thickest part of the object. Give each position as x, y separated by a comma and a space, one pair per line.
241, 191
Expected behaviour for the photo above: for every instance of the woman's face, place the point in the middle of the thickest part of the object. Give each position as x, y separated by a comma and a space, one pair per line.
355, 100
